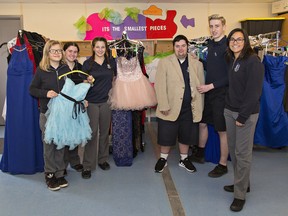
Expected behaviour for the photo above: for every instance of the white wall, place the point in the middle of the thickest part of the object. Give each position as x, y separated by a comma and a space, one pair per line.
56, 21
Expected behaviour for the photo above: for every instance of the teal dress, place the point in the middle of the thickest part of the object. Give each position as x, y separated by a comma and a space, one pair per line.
67, 120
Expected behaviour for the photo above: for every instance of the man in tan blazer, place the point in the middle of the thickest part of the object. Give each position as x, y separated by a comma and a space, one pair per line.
179, 102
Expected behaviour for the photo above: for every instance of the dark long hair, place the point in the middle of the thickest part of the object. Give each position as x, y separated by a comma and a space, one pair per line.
247, 49
68, 44
94, 41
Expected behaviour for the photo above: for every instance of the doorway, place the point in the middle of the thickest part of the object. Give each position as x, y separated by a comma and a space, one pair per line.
9, 26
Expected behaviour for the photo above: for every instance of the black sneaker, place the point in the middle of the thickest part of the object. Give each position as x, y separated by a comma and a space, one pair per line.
78, 167
218, 171
160, 165
230, 188
86, 174
187, 164
237, 205
62, 182
52, 182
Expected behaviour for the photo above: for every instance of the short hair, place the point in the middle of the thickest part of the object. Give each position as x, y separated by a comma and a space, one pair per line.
217, 17
180, 37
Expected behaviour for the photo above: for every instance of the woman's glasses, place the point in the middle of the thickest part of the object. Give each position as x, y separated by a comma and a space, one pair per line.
238, 40
54, 51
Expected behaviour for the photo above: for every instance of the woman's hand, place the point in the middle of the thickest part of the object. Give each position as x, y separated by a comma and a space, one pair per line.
51, 94
90, 79
86, 103
239, 124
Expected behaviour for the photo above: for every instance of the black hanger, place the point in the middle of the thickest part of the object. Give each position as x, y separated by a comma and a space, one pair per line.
3, 44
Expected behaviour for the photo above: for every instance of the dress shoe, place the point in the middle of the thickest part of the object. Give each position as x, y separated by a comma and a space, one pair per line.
237, 205
104, 166
78, 167
230, 188
86, 174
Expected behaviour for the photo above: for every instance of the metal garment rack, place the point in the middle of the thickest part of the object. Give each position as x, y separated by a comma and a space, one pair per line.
270, 35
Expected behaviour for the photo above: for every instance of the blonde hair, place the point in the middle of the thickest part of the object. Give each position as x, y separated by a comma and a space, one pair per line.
217, 17
45, 61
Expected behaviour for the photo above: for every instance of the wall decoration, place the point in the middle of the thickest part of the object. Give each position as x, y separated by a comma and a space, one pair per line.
133, 13
145, 28
111, 15
187, 22
153, 10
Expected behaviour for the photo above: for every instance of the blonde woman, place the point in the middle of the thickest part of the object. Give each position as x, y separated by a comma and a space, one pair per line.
45, 86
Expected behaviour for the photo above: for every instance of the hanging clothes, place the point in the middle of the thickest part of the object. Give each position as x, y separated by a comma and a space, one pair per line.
131, 89
131, 93
122, 137
23, 148
272, 125
74, 128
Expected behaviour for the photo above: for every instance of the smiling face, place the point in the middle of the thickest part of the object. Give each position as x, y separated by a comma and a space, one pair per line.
55, 53
217, 29
180, 49
99, 49
236, 43
71, 53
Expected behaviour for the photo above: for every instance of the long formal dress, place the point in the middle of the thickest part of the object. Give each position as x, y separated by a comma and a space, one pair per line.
67, 120
23, 148
272, 125
122, 137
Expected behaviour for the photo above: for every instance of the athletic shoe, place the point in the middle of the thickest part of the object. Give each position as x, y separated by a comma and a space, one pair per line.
187, 164
62, 182
52, 182
160, 165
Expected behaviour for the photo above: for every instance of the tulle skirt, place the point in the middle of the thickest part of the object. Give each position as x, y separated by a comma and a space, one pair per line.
65, 125
132, 95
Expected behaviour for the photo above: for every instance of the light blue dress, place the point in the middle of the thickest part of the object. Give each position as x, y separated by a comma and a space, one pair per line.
67, 122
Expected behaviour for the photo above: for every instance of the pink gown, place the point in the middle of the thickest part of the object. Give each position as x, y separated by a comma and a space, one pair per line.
131, 90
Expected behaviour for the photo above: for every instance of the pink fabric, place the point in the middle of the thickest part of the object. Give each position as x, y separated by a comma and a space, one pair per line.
131, 90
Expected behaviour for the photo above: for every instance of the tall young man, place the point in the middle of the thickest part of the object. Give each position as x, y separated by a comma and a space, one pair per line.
215, 88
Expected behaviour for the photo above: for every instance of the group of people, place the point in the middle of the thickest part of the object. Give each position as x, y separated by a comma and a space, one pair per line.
58, 61
227, 98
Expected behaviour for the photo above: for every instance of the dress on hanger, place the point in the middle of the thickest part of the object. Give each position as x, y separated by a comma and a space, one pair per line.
72, 128
23, 148
272, 126
131, 89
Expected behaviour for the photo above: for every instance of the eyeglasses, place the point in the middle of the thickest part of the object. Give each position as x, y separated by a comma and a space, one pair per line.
54, 51
238, 40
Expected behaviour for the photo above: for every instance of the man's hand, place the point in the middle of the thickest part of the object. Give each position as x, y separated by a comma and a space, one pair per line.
205, 88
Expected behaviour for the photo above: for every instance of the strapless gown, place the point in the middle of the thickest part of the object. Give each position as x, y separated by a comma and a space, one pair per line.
67, 122
131, 90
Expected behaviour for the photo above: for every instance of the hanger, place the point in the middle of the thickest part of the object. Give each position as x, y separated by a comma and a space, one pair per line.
5, 43
74, 71
124, 41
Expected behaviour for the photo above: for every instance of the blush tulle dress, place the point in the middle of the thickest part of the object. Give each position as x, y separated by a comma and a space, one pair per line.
131, 90
67, 122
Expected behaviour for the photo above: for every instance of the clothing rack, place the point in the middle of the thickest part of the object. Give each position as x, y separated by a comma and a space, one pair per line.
270, 35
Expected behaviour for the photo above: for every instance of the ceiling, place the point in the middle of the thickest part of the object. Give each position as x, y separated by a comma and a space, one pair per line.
136, 1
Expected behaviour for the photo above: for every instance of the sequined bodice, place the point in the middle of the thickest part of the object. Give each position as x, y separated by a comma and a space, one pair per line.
128, 70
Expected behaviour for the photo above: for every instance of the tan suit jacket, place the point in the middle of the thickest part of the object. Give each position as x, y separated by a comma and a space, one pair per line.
169, 86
